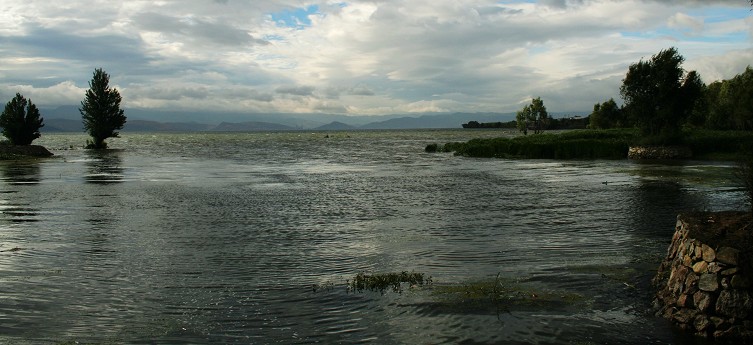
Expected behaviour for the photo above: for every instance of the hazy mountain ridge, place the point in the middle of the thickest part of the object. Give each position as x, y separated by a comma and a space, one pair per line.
68, 119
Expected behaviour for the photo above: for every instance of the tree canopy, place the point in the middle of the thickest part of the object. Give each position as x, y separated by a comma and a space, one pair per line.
730, 102
606, 115
101, 111
659, 95
21, 121
533, 115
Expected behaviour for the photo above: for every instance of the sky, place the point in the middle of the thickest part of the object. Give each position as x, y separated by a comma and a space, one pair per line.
359, 57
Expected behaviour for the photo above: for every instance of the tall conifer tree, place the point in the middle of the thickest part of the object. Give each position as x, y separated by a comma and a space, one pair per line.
101, 110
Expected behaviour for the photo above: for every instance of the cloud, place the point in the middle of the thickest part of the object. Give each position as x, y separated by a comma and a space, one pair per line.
685, 22
296, 90
366, 57
65, 93
195, 30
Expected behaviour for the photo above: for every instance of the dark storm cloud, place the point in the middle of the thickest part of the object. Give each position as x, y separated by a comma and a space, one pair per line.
94, 49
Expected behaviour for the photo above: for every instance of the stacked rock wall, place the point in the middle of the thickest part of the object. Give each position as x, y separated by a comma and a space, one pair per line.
703, 289
659, 152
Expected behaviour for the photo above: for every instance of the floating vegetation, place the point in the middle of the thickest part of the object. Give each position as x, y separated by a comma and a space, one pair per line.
326, 286
499, 294
383, 281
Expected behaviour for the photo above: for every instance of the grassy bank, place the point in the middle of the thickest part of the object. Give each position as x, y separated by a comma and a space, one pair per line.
597, 144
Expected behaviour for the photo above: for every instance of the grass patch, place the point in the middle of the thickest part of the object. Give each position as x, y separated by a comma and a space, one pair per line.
718, 145
383, 281
494, 295
576, 144
598, 144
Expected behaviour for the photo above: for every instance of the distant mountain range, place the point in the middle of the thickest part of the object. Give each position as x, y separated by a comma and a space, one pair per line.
68, 119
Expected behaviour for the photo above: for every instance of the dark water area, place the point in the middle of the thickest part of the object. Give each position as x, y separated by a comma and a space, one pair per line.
250, 238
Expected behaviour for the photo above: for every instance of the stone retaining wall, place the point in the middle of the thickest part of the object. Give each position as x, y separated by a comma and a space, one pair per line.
703, 289
659, 152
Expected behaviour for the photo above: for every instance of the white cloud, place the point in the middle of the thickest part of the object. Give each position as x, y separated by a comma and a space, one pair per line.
369, 57
685, 22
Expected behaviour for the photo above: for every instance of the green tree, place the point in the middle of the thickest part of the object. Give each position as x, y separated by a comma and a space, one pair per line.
729, 104
659, 95
21, 121
606, 115
532, 115
101, 110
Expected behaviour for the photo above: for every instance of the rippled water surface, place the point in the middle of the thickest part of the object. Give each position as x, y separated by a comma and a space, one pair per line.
250, 238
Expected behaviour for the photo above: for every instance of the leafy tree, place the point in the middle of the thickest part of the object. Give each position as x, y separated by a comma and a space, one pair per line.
533, 114
658, 94
729, 104
606, 115
101, 110
21, 121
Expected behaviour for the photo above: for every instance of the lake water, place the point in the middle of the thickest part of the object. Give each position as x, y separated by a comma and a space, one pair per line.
251, 237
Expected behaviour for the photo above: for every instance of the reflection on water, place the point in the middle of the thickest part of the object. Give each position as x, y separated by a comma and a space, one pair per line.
105, 166
219, 238
22, 173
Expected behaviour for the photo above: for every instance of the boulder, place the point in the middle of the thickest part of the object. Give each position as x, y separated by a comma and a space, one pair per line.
708, 282
734, 303
727, 255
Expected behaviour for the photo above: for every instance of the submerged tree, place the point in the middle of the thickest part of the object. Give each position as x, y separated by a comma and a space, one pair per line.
21, 121
533, 115
101, 110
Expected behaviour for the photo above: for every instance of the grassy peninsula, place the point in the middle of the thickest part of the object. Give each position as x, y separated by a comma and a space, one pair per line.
599, 144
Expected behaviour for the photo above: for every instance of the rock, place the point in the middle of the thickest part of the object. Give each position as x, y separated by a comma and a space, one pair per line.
728, 255
729, 271
708, 282
16, 151
734, 303
685, 301
701, 267
715, 267
685, 315
677, 280
698, 252
701, 323
687, 261
732, 332
739, 281
718, 322
659, 152
703, 301
709, 254
725, 283
691, 284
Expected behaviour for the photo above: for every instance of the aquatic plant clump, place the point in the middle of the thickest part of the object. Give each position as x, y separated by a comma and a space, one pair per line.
383, 281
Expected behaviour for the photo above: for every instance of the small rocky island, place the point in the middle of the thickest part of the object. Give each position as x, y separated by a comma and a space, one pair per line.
705, 282
8, 152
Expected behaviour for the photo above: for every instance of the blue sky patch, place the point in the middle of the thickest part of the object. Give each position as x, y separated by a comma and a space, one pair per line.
295, 18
